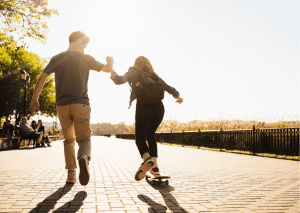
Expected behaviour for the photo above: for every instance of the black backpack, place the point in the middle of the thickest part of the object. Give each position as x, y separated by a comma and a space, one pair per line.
149, 89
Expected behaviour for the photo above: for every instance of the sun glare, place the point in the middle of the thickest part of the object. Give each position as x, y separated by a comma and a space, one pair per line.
194, 46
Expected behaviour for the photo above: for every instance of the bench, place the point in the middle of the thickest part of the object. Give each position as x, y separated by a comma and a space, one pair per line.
24, 137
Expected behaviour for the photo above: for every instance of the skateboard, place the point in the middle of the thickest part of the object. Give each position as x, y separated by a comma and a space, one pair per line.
154, 180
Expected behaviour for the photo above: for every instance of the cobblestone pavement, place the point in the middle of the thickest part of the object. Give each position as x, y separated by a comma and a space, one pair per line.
33, 180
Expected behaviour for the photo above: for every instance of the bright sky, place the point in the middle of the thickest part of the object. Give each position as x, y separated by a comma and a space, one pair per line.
228, 59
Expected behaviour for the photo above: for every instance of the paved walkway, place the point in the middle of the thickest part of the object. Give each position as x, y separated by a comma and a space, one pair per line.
33, 180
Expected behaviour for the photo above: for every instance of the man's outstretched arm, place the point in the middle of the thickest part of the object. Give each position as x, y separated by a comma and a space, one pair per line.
34, 104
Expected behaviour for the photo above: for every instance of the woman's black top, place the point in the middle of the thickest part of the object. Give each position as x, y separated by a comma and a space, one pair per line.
41, 129
131, 77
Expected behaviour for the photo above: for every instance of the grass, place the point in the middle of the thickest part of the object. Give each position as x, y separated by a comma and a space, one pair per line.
237, 151
279, 156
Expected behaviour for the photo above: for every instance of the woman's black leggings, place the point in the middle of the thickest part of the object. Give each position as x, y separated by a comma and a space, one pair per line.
147, 119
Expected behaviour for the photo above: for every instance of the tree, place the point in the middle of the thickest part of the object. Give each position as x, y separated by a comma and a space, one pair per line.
120, 128
108, 128
11, 86
24, 18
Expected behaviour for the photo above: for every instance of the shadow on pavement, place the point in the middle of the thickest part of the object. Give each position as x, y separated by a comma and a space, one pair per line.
153, 205
23, 149
169, 199
72, 206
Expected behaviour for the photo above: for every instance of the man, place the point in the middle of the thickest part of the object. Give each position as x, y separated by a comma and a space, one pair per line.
29, 133
71, 70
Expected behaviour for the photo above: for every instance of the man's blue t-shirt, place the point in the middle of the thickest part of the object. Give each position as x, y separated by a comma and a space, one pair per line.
71, 70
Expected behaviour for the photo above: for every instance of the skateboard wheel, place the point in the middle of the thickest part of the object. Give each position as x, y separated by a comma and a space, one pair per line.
167, 182
146, 177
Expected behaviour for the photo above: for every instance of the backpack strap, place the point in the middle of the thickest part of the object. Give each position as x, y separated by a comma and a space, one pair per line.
153, 77
141, 78
156, 76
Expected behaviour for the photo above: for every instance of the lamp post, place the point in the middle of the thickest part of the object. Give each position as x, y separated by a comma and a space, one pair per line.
26, 80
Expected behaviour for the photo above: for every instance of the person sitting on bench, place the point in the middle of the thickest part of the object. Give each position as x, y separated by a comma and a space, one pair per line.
29, 133
41, 129
34, 125
8, 130
4, 129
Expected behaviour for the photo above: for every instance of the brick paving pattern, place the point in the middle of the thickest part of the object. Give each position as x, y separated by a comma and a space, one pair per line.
33, 180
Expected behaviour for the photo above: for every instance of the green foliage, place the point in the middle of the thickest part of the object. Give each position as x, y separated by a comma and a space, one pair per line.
24, 18
108, 128
11, 85
2, 120
280, 124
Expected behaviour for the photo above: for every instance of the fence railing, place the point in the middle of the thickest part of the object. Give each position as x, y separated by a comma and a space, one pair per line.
281, 141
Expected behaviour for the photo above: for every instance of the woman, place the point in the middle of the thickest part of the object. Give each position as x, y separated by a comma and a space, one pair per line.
34, 125
41, 129
147, 116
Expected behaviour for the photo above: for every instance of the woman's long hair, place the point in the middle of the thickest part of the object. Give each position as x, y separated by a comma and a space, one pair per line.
143, 64
33, 124
41, 122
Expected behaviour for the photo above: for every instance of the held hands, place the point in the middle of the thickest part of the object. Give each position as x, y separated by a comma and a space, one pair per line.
179, 100
108, 68
110, 60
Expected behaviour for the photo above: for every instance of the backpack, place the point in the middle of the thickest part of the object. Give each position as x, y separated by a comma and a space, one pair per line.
149, 89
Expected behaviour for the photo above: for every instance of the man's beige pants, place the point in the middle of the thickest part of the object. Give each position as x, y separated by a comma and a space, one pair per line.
75, 123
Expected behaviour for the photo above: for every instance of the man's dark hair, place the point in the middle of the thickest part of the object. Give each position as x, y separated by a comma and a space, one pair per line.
24, 118
78, 35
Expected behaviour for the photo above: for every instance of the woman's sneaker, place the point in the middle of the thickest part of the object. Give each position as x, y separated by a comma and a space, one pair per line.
155, 172
71, 179
144, 168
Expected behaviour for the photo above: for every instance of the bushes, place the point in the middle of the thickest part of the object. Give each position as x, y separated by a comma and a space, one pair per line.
175, 126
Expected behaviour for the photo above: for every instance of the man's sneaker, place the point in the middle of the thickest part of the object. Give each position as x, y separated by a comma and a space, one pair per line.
84, 175
144, 168
71, 176
155, 172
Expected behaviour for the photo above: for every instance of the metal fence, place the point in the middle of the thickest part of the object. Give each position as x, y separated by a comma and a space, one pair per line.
281, 141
